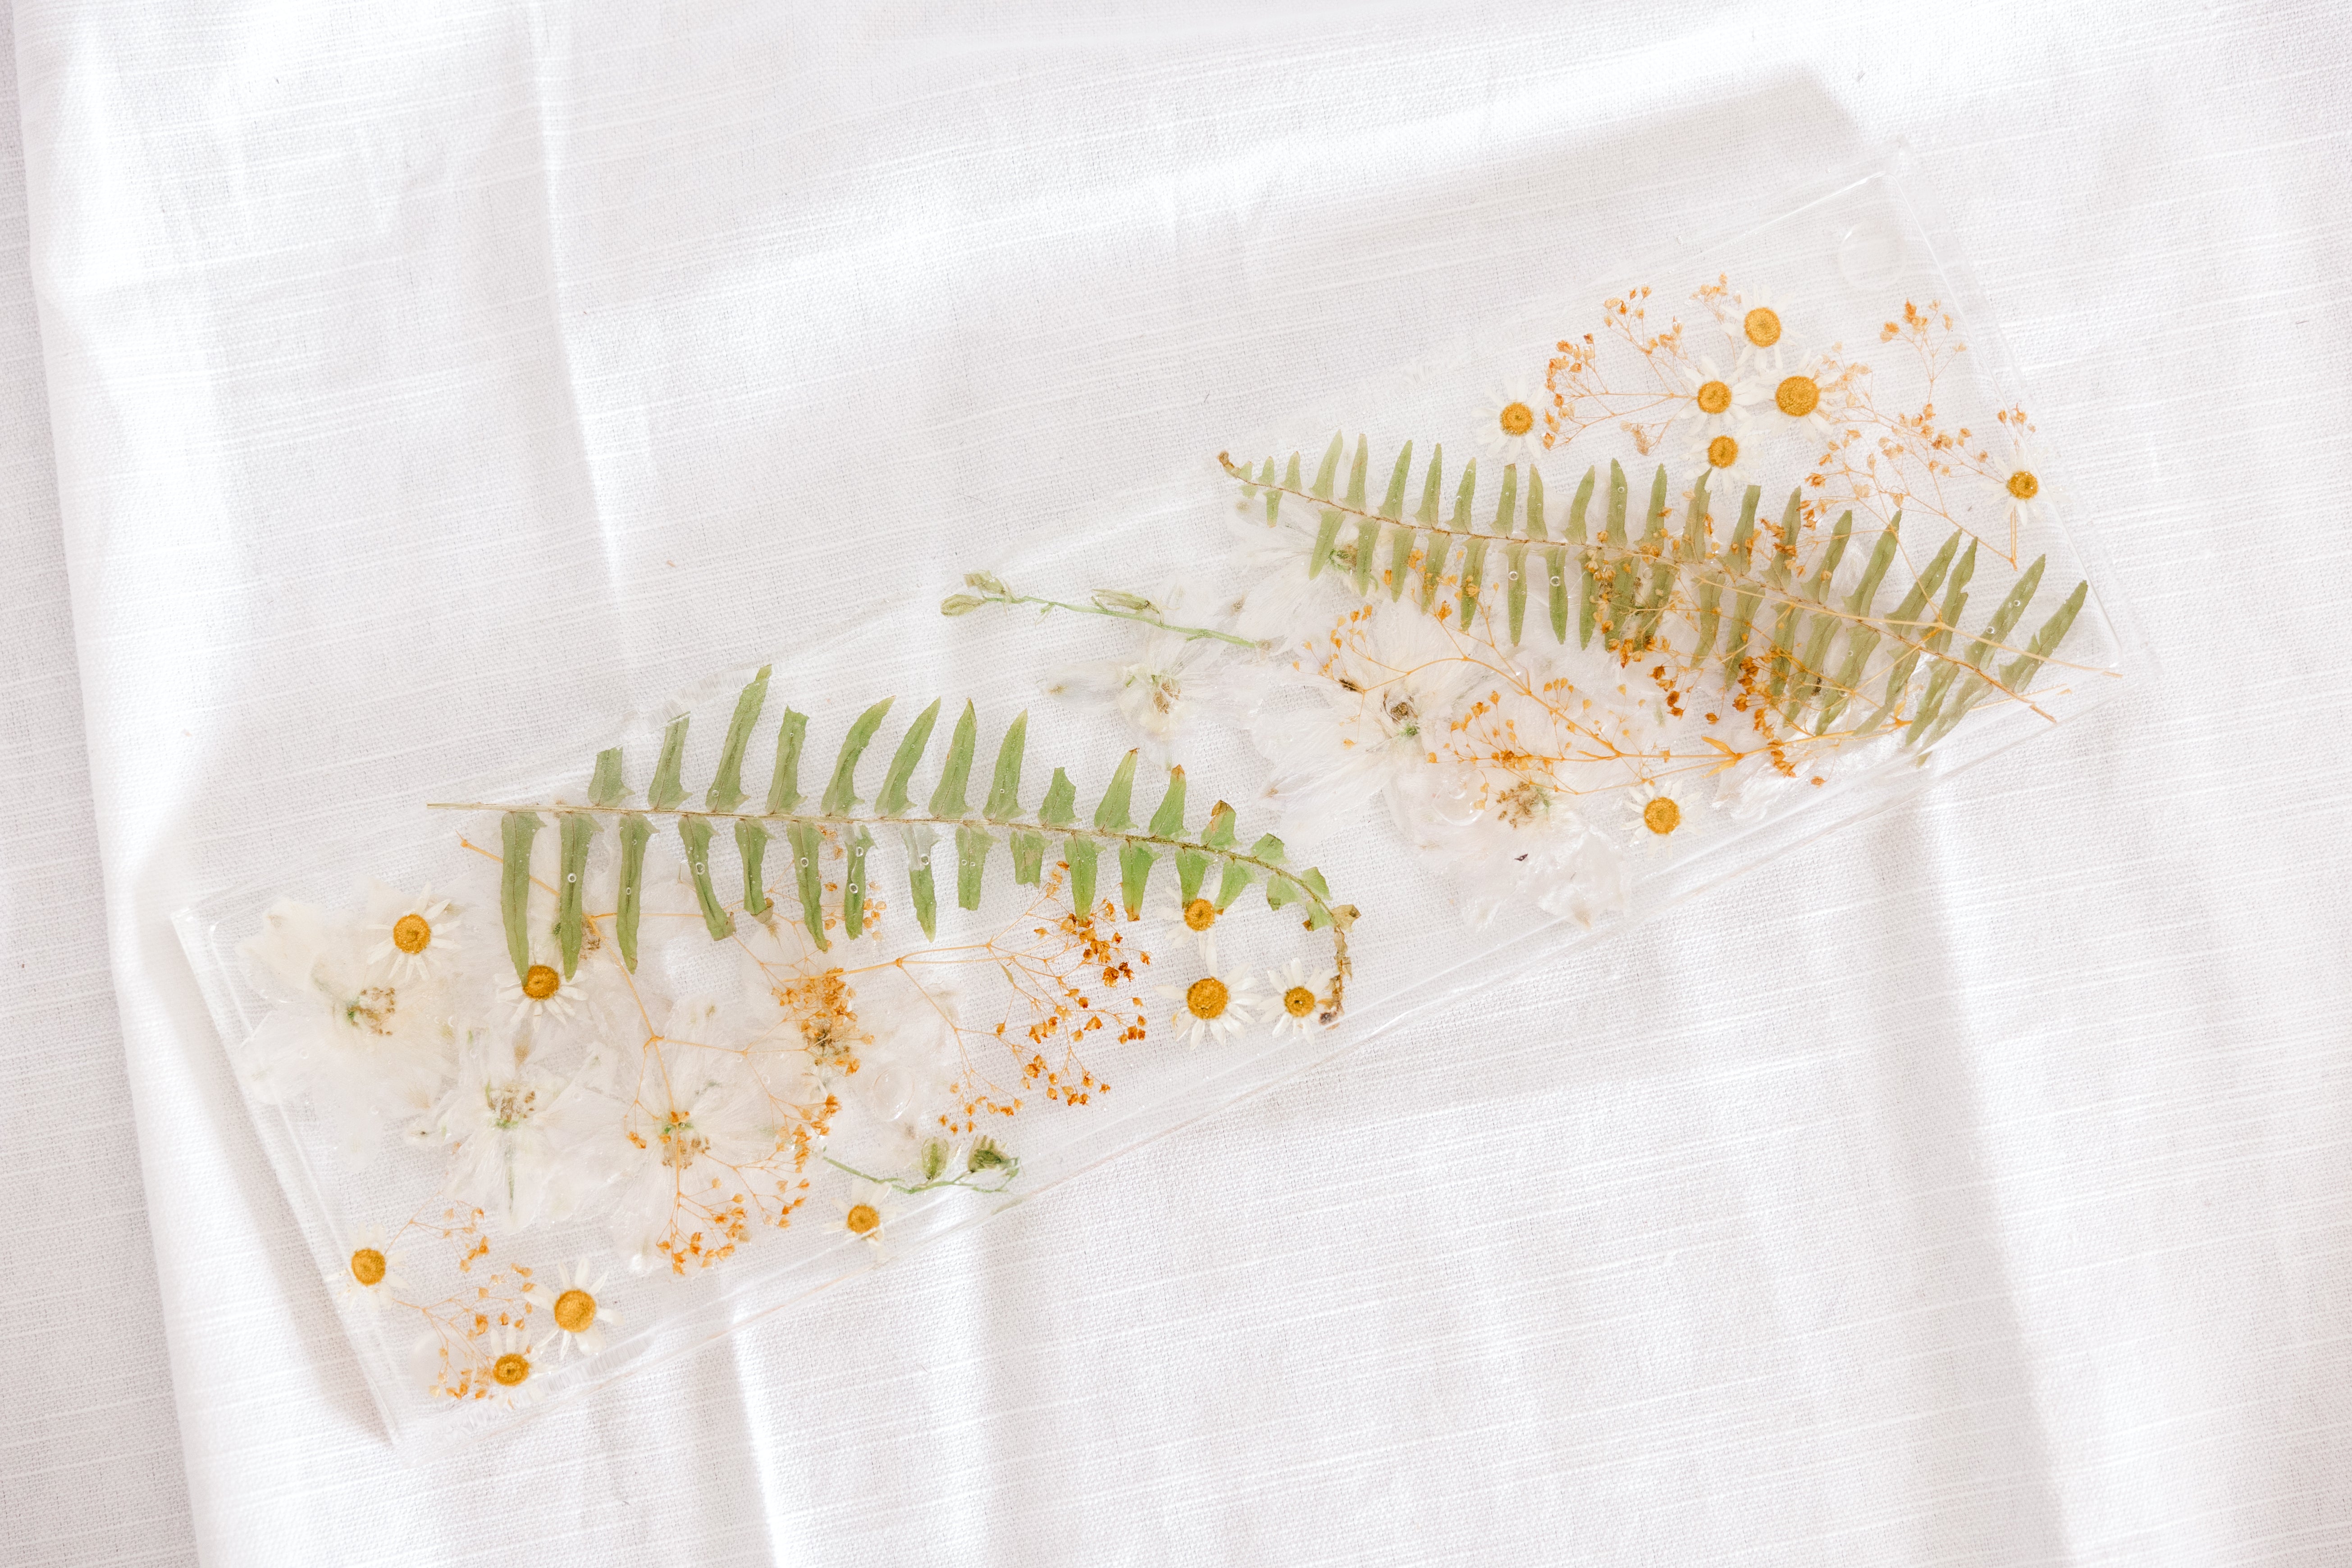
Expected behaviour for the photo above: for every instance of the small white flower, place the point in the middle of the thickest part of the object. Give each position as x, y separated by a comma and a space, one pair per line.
2018, 484
1728, 459
1512, 838
1717, 403
1513, 429
867, 1210
1809, 395
1296, 1002
1217, 1006
412, 940
538, 995
1657, 813
1278, 608
581, 1309
1191, 924
1759, 324
700, 1115
513, 1364
1169, 681
522, 1140
370, 1271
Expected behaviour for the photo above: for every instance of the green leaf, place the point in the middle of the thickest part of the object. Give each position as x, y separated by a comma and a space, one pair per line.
751, 844
1061, 806
1028, 856
1080, 855
571, 918
1004, 792
917, 841
605, 787
694, 833
1112, 813
666, 793
1535, 518
855, 882
784, 784
1327, 531
1367, 531
892, 798
726, 791
1135, 862
516, 830
948, 800
842, 793
972, 844
634, 833
807, 846
1167, 822
1218, 834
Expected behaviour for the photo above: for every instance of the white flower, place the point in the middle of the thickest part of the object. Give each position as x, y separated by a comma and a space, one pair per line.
525, 1142
1716, 403
1726, 457
1808, 395
1511, 838
370, 1053
1279, 606
538, 995
2018, 483
583, 1309
868, 1207
1385, 697
369, 1273
1512, 430
1170, 680
1657, 813
1759, 323
512, 1364
1191, 924
698, 1116
412, 939
1218, 1005
1296, 1002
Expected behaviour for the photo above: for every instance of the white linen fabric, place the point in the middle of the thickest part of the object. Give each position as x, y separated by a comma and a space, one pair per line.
431, 382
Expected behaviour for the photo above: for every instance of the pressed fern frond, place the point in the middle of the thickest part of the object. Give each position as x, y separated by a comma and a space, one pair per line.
1139, 849
1818, 651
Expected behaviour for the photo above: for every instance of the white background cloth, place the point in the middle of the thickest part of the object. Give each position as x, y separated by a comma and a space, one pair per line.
430, 379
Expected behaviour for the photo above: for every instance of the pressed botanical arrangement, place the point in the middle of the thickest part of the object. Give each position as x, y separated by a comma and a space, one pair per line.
1692, 577
531, 1037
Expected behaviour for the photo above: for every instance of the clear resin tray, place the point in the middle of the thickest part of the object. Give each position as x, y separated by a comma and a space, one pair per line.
578, 1066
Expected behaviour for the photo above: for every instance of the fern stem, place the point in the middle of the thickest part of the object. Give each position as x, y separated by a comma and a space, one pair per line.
894, 1185
961, 604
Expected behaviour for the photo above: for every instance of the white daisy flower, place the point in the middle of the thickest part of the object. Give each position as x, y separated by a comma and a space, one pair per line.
698, 1116
538, 995
512, 1364
1717, 403
1169, 681
2018, 483
412, 940
867, 1210
1513, 429
1214, 1005
524, 1140
1727, 458
1656, 812
1296, 1002
1759, 325
583, 1309
1278, 607
1191, 924
1808, 397
368, 1274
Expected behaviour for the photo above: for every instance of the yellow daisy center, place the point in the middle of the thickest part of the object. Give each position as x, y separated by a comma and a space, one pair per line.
1723, 451
1797, 396
1714, 397
1200, 915
1762, 326
1662, 815
1206, 997
1517, 418
410, 934
2024, 486
863, 1219
574, 1310
509, 1369
368, 1265
1298, 1001
539, 982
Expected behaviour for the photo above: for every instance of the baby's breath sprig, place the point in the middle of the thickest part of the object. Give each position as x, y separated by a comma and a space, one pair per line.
1114, 603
